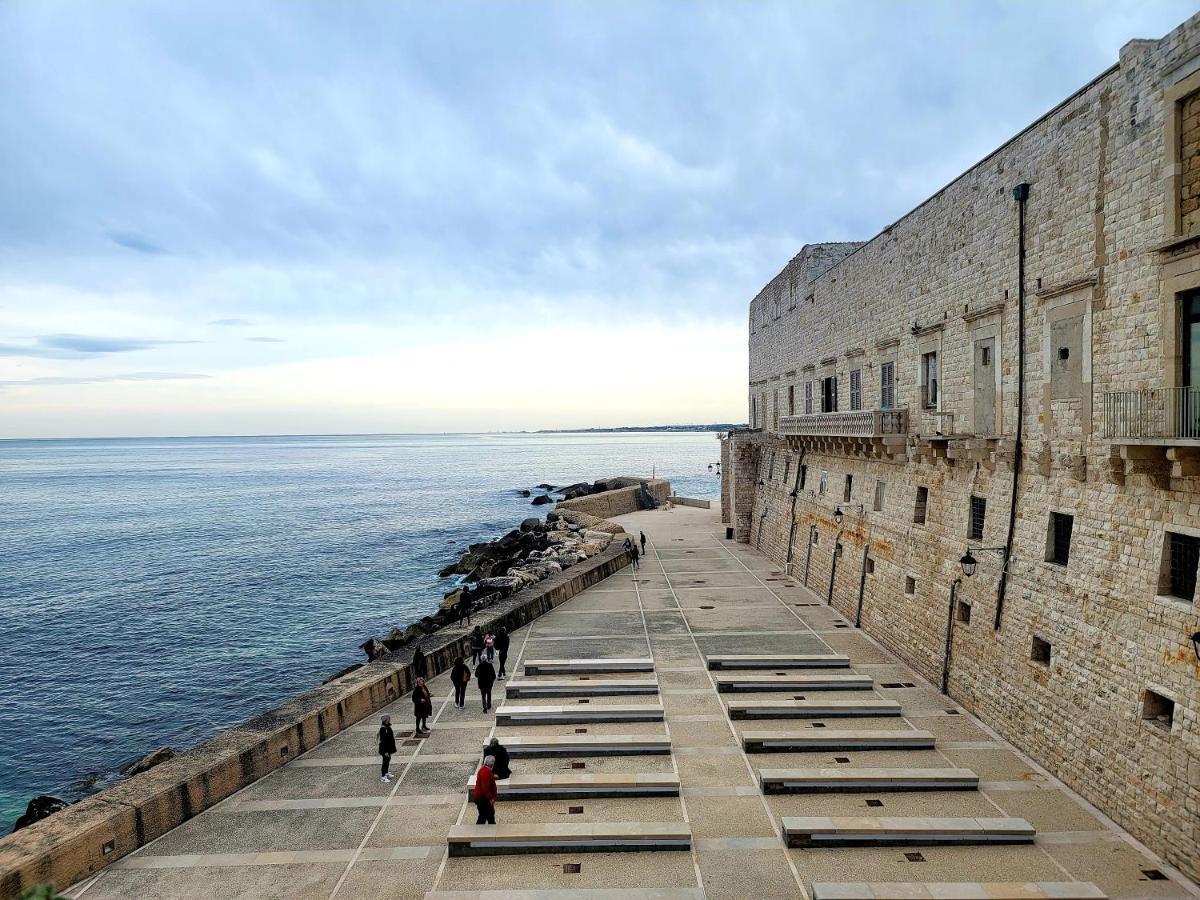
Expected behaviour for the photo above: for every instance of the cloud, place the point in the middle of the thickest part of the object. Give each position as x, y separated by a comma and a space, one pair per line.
81, 346
55, 380
230, 322
136, 242
267, 340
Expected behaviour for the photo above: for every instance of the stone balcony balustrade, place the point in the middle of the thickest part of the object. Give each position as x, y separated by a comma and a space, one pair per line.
862, 423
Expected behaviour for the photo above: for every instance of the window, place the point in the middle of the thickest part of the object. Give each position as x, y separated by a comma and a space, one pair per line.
787, 468
824, 483
803, 476
910, 584
808, 398
887, 385
753, 413
962, 612
880, 488
829, 394
848, 489
1180, 557
1040, 652
791, 399
762, 406
775, 410
856, 389
1058, 540
922, 506
1158, 709
771, 468
929, 380
870, 566
978, 513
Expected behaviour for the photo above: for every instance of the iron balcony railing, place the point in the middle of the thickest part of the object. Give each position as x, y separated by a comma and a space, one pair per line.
857, 423
1158, 414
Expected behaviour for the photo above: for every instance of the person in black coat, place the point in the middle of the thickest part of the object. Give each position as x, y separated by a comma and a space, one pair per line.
460, 677
422, 706
485, 674
420, 664
500, 752
464, 607
476, 645
502, 642
387, 746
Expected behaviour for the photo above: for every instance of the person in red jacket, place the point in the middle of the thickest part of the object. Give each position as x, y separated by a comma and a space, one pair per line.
485, 792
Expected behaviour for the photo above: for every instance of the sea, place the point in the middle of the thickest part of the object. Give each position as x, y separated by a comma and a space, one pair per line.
156, 591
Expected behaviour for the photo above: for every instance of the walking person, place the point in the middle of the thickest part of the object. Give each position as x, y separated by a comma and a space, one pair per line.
643, 540
636, 554
485, 793
476, 645
502, 642
422, 707
460, 677
420, 666
499, 752
387, 746
485, 675
464, 607
489, 647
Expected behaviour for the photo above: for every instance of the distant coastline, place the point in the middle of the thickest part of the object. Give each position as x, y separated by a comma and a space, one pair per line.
722, 426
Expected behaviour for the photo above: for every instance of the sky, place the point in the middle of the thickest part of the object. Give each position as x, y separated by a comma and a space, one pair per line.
330, 217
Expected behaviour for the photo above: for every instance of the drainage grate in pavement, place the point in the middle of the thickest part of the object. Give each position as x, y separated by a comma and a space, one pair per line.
874, 803
585, 699
581, 731
578, 765
818, 724
952, 712
572, 868
1154, 875
841, 759
914, 857
574, 810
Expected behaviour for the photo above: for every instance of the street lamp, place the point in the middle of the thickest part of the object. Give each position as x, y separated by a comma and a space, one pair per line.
838, 515
968, 562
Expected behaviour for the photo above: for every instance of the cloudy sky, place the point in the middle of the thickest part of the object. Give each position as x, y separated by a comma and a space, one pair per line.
307, 217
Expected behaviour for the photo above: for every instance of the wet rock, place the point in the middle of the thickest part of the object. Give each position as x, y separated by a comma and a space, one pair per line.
38, 808
546, 487
148, 762
524, 493
541, 500
533, 523
375, 649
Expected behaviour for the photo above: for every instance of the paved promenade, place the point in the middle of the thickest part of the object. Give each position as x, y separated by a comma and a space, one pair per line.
324, 826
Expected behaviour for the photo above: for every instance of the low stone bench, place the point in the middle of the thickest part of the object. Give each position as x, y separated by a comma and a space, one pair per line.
812, 781
580, 688
587, 745
558, 837
585, 785
810, 709
578, 715
951, 890
836, 681
780, 661
586, 666
866, 831
820, 739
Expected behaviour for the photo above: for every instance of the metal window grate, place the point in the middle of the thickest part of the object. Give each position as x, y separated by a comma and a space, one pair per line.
1185, 555
978, 514
1061, 526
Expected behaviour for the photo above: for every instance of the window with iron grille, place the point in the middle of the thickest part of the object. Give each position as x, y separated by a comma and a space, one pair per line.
922, 506
1058, 541
929, 374
808, 398
1184, 555
856, 389
978, 513
880, 488
887, 385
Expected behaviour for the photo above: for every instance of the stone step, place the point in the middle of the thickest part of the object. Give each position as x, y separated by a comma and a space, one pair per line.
577, 894
810, 709
779, 661
586, 666
578, 714
820, 739
866, 831
558, 837
585, 785
957, 890
580, 688
587, 745
764, 681
812, 781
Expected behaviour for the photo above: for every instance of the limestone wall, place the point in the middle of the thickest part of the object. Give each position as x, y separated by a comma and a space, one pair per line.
619, 502
1105, 259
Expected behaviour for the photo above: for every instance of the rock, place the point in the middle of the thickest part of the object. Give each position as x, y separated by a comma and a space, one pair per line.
375, 649
524, 493
501, 583
450, 599
148, 762
428, 625
85, 785
533, 523
38, 808
541, 500
546, 487
646, 499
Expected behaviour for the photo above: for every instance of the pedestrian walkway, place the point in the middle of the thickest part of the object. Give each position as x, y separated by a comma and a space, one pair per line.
698, 610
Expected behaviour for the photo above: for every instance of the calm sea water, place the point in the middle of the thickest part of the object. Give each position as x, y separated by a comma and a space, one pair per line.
156, 591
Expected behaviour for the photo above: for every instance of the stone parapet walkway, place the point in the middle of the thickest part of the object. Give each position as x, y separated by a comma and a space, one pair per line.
324, 826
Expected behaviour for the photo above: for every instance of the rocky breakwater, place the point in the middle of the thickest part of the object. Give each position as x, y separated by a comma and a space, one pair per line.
492, 571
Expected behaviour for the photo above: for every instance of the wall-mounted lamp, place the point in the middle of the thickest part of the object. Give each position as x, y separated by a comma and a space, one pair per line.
1196, 643
968, 562
794, 494
838, 515
761, 483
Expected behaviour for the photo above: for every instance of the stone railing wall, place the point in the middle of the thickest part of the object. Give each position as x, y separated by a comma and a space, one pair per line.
619, 502
691, 501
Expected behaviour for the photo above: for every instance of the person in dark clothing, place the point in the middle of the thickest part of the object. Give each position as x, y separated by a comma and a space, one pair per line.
642, 535
502, 642
387, 746
485, 674
500, 752
422, 706
476, 645
420, 665
464, 607
460, 677
634, 551
629, 545
485, 793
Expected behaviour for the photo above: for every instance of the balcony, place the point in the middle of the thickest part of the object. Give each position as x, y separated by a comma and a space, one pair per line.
859, 423
1158, 416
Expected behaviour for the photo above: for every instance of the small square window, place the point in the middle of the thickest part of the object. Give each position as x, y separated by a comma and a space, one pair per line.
1157, 709
910, 584
1040, 653
922, 506
1058, 538
978, 514
963, 612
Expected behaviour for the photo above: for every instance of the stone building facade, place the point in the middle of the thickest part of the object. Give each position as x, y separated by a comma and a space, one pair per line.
915, 403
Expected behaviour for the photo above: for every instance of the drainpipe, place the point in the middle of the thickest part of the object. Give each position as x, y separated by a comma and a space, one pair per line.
795, 497
833, 566
862, 586
954, 586
1021, 195
812, 530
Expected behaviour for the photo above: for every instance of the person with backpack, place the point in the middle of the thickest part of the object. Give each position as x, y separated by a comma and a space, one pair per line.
460, 677
422, 707
502, 642
485, 675
485, 793
499, 752
387, 746
476, 645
